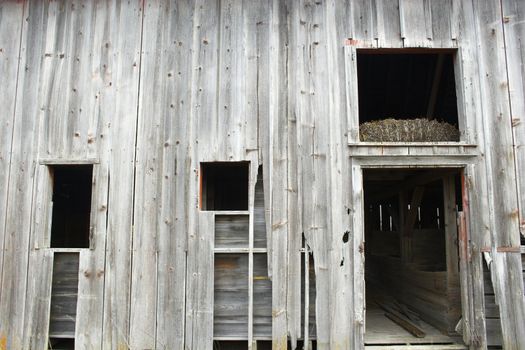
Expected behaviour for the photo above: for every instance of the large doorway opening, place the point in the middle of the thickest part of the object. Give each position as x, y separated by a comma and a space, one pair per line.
413, 292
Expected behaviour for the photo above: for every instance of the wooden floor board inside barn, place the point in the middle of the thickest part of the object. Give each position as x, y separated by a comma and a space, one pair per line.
381, 332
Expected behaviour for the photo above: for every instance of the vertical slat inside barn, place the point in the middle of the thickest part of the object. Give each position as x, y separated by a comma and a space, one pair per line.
411, 263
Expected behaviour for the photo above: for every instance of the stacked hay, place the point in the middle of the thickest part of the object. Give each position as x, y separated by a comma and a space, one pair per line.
408, 130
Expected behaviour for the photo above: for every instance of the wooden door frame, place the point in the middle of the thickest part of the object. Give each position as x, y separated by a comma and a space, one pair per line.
471, 292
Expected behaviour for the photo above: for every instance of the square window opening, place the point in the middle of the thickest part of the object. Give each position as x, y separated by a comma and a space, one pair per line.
407, 96
70, 223
224, 186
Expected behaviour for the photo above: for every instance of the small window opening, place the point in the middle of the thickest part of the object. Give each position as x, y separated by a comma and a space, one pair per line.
407, 97
71, 206
224, 186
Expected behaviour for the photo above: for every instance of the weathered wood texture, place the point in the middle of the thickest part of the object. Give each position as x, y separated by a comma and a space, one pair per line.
11, 24
501, 172
149, 89
64, 295
514, 32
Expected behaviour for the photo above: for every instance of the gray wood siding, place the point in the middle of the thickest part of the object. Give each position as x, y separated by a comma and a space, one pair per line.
146, 90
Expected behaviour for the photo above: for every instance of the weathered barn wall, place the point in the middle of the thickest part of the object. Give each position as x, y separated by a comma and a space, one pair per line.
147, 90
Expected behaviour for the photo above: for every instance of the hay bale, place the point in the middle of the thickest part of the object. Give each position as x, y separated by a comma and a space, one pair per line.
408, 130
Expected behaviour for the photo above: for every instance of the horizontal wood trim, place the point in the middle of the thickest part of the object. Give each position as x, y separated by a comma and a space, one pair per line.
229, 212
413, 144
240, 250
413, 150
401, 51
66, 250
61, 161
503, 249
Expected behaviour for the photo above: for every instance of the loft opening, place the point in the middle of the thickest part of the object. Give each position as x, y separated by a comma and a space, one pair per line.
70, 223
224, 185
415, 88
411, 256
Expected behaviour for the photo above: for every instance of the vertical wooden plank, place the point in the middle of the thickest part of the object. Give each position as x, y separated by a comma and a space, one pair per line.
120, 63
295, 241
256, 29
168, 69
363, 23
17, 227
263, 118
278, 171
429, 30
251, 207
315, 43
338, 184
70, 56
474, 186
455, 19
148, 174
451, 250
442, 12
358, 257
389, 30
352, 95
514, 31
88, 331
231, 104
306, 291
11, 22
450, 222
36, 321
499, 167
203, 133
299, 145
36, 328
413, 24
207, 27
203, 327
476, 221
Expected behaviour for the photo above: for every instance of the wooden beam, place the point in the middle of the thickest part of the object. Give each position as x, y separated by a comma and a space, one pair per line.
410, 182
435, 86
406, 236
415, 202
405, 323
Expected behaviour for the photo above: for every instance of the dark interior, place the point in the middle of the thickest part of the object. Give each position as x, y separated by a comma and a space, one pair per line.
407, 264
61, 344
224, 185
71, 206
401, 85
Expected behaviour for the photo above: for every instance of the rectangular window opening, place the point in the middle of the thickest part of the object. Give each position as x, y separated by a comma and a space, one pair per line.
70, 223
407, 96
224, 186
